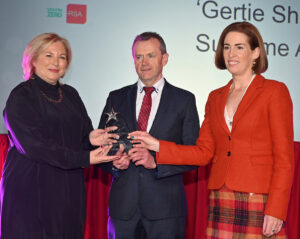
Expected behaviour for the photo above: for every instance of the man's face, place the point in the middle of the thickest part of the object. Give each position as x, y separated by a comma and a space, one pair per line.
149, 61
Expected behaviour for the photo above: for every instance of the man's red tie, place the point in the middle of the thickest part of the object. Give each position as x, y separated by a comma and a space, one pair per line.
145, 109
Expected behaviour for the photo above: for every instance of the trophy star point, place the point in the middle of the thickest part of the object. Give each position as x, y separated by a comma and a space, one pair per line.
111, 115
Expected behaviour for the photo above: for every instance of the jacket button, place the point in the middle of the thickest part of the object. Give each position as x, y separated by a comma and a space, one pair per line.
229, 138
228, 153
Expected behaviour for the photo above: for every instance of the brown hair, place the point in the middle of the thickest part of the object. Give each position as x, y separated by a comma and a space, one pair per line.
148, 35
36, 46
255, 40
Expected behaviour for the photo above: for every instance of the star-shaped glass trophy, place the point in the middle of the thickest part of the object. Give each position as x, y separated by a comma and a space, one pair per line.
116, 119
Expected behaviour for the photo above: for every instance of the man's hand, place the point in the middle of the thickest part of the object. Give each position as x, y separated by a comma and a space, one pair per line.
123, 160
141, 156
122, 163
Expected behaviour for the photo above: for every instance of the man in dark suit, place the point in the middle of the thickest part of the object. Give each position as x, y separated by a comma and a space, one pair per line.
148, 200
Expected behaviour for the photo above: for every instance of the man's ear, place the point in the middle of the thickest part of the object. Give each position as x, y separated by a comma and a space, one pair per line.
165, 59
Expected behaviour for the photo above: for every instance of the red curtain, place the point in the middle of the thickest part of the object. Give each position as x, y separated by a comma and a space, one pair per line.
3, 150
98, 184
293, 217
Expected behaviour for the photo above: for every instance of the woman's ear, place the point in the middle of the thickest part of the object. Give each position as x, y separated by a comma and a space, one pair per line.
256, 53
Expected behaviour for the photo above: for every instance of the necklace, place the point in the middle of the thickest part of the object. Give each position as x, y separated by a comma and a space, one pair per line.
59, 100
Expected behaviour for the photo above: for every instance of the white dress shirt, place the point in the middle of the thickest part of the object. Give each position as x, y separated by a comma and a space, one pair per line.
156, 95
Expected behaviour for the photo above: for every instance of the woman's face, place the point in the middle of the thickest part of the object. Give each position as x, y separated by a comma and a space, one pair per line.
238, 55
51, 64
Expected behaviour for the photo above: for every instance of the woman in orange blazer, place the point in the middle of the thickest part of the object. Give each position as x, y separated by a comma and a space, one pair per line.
247, 133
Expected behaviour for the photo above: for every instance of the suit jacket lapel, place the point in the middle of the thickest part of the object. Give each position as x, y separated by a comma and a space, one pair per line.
252, 92
162, 108
131, 96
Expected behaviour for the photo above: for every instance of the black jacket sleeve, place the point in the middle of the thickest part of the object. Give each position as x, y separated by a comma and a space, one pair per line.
27, 132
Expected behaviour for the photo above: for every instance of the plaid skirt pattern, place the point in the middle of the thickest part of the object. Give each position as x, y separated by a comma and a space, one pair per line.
237, 215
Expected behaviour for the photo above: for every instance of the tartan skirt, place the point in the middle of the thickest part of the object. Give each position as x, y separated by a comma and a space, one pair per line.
237, 215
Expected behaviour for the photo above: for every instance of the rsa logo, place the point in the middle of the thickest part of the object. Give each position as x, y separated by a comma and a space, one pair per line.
76, 13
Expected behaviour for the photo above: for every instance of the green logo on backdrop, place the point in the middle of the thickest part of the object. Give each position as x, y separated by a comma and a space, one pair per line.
54, 12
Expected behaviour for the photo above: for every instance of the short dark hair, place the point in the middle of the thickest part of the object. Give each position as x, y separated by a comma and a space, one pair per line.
255, 40
148, 35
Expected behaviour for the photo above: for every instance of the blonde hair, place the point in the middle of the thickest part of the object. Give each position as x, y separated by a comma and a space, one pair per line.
36, 46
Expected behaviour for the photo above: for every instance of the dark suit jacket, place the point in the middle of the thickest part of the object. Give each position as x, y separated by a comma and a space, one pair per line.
159, 193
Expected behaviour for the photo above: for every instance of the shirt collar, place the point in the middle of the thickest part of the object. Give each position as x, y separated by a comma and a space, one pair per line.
158, 86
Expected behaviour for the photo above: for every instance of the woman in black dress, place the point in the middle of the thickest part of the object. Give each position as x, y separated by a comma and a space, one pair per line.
42, 192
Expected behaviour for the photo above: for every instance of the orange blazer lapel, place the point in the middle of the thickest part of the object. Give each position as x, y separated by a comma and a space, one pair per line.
252, 92
221, 102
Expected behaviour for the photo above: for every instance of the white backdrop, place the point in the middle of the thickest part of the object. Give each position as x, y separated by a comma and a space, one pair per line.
101, 42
